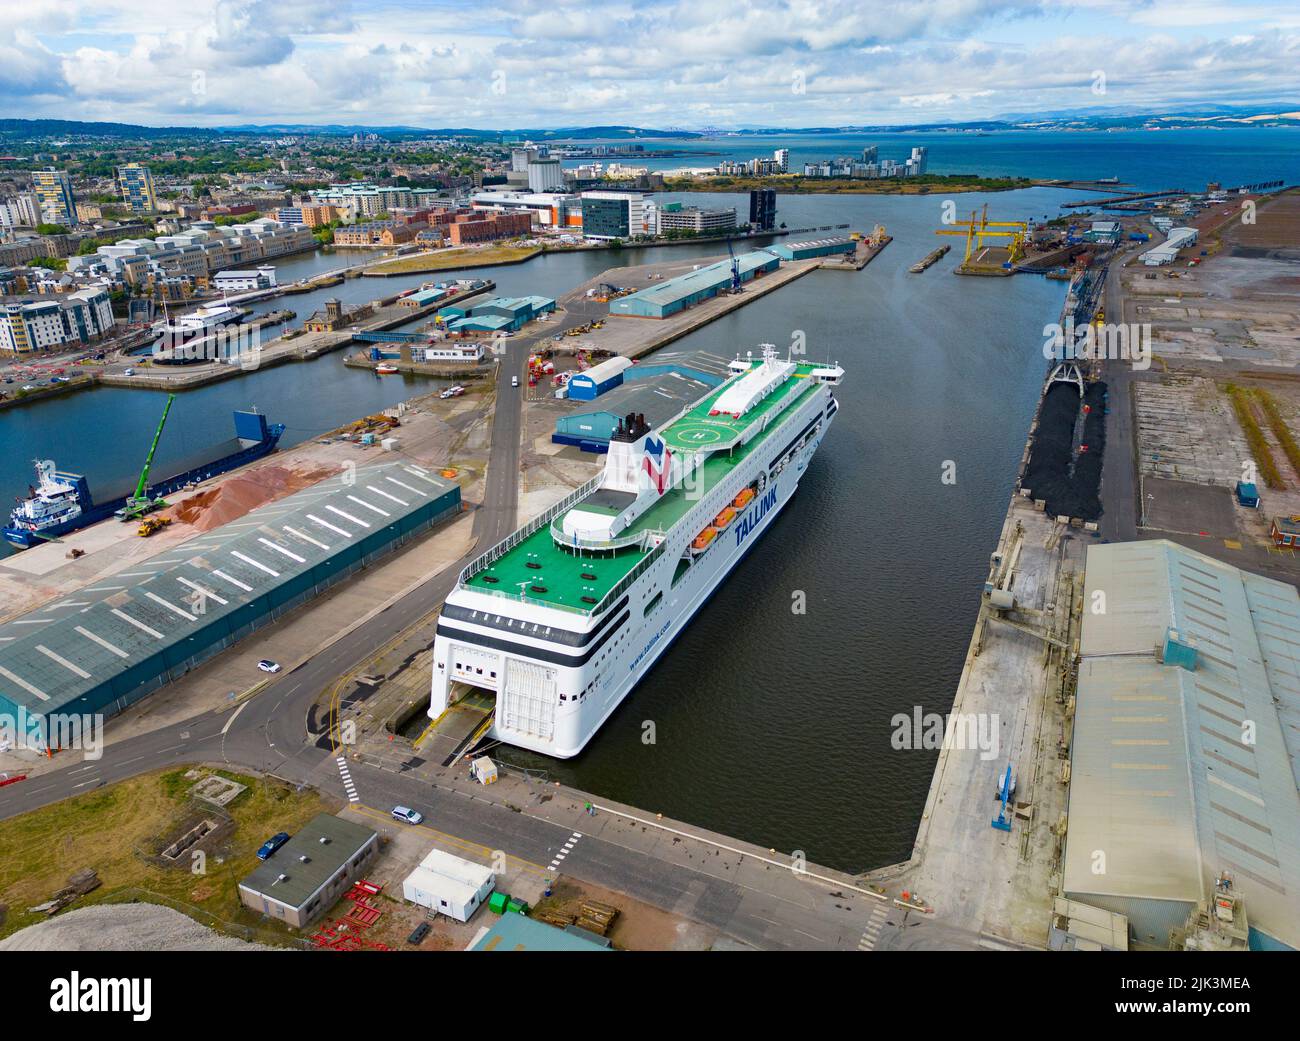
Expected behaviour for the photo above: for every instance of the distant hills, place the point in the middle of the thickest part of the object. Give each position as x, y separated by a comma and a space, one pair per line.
1088, 119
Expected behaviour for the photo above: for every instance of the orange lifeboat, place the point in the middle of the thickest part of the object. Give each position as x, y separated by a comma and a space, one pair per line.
724, 518
703, 539
742, 500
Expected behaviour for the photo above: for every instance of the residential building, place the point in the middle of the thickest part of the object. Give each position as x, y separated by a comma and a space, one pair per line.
370, 200
782, 157
54, 190
135, 182
496, 226
42, 325
700, 221
20, 211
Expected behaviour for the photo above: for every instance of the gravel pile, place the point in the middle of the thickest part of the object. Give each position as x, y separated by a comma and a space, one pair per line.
123, 927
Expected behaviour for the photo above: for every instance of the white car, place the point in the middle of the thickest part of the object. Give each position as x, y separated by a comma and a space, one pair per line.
266, 665
407, 815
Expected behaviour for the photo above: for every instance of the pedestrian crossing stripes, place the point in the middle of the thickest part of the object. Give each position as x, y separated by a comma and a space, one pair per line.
568, 848
872, 932
348, 785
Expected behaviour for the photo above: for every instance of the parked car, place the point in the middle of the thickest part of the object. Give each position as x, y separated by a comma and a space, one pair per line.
272, 844
266, 665
514, 381
407, 815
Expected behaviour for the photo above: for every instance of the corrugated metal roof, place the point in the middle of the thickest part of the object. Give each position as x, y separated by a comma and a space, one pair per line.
1180, 774
711, 276
65, 650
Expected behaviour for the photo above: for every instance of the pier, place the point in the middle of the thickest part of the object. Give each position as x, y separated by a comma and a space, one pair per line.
930, 259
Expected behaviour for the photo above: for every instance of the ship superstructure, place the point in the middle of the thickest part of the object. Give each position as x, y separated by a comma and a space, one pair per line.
561, 619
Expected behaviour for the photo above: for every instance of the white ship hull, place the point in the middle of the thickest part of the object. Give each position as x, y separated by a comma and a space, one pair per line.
553, 696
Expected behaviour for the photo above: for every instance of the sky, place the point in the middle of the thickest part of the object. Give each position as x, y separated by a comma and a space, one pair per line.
652, 63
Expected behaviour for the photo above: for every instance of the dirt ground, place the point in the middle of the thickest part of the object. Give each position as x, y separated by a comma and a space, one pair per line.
638, 927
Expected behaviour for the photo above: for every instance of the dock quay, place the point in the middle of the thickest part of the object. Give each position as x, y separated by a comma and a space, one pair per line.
866, 251
296, 345
929, 260
1120, 199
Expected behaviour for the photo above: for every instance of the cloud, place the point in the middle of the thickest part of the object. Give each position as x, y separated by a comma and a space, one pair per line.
667, 62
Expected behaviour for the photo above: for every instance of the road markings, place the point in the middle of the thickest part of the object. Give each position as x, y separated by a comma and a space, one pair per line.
872, 932
348, 784
232, 718
568, 848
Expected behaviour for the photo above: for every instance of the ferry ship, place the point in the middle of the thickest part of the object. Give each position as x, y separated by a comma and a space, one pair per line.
184, 338
561, 619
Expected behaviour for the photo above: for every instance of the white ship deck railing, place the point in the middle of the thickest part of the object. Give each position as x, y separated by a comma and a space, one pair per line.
592, 541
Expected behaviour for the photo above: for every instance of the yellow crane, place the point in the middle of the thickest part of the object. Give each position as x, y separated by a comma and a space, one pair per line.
979, 228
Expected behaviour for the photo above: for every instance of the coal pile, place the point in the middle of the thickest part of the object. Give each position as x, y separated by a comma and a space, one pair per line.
1071, 485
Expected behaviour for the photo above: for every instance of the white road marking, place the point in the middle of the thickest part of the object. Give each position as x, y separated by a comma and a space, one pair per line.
565, 852
233, 715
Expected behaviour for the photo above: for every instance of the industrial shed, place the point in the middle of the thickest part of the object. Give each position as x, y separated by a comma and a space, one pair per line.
589, 385
304, 878
163, 616
1186, 657
814, 248
677, 294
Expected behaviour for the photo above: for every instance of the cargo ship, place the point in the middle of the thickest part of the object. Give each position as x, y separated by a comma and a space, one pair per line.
562, 619
62, 502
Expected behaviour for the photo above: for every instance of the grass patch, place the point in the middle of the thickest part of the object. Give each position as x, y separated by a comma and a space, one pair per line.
118, 830
1241, 404
459, 258
1278, 425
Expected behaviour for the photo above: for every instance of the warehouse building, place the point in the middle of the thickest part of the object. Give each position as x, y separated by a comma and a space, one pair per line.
501, 313
516, 932
677, 294
163, 616
1183, 811
1167, 251
658, 388
306, 876
589, 385
814, 248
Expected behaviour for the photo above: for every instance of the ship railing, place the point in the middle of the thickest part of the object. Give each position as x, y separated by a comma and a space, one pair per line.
498, 551
592, 540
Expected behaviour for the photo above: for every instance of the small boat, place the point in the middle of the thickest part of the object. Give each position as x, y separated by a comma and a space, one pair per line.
725, 517
742, 500
704, 539
385, 369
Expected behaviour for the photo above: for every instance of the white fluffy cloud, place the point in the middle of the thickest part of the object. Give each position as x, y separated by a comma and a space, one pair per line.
668, 62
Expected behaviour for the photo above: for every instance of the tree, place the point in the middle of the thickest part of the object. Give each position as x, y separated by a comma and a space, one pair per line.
51, 229
50, 263
88, 246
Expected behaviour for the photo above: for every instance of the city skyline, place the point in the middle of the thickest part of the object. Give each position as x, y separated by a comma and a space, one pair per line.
785, 64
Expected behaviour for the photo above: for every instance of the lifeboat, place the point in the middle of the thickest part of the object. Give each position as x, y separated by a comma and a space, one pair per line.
724, 518
703, 539
742, 500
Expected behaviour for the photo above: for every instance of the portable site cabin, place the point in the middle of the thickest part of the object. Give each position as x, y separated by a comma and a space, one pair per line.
483, 770
449, 885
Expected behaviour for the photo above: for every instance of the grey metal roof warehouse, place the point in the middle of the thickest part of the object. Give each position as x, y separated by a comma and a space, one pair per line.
109, 644
1182, 771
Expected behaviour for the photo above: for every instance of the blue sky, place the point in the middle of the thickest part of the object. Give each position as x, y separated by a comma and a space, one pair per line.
685, 63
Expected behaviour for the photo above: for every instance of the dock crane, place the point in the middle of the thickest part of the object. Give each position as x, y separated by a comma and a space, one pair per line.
979, 228
735, 268
138, 504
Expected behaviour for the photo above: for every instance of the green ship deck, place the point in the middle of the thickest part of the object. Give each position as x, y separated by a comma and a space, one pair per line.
557, 579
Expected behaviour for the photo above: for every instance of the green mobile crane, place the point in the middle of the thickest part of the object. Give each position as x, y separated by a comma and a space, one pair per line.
140, 503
